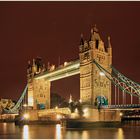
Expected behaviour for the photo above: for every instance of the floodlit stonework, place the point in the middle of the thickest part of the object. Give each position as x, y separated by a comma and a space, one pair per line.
92, 82
39, 93
38, 89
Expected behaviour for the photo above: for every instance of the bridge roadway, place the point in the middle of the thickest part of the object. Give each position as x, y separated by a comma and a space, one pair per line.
63, 71
65, 111
122, 107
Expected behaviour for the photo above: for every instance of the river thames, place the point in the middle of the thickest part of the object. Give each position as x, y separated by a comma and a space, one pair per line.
10, 131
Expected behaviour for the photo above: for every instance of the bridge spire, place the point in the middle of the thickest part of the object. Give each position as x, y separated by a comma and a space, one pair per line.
95, 29
29, 68
70, 99
109, 49
34, 67
109, 43
81, 40
94, 34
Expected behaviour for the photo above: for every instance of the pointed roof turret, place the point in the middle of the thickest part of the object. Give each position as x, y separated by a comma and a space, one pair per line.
29, 65
81, 40
91, 30
91, 33
70, 99
95, 28
34, 68
94, 34
109, 43
33, 62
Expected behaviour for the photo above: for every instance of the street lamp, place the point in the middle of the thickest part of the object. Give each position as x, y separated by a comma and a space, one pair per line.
26, 116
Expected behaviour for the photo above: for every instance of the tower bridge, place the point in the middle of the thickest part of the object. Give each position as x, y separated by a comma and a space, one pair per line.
97, 76
92, 83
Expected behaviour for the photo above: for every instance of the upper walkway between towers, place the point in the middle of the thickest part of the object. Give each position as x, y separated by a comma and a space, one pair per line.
63, 71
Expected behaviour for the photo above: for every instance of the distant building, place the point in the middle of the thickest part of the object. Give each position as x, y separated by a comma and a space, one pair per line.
6, 104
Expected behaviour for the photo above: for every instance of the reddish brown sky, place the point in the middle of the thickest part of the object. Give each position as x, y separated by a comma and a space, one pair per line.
52, 29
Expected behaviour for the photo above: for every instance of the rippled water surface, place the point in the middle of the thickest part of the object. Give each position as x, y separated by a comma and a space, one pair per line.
9, 130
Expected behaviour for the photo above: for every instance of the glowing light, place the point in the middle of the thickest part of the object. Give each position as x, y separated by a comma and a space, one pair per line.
5, 127
56, 107
77, 66
80, 101
25, 132
26, 116
121, 113
65, 63
25, 105
102, 74
73, 66
76, 110
52, 68
30, 99
75, 114
58, 117
86, 112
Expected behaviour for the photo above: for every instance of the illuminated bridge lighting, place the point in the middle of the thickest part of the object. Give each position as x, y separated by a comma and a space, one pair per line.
68, 70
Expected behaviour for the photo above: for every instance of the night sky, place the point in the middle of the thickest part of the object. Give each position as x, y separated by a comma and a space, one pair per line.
52, 30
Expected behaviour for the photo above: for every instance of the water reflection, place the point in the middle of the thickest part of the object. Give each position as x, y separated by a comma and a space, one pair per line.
10, 131
77, 134
85, 135
25, 132
120, 134
58, 131
4, 127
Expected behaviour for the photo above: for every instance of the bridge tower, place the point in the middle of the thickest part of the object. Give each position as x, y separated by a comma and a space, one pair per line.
93, 83
38, 89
